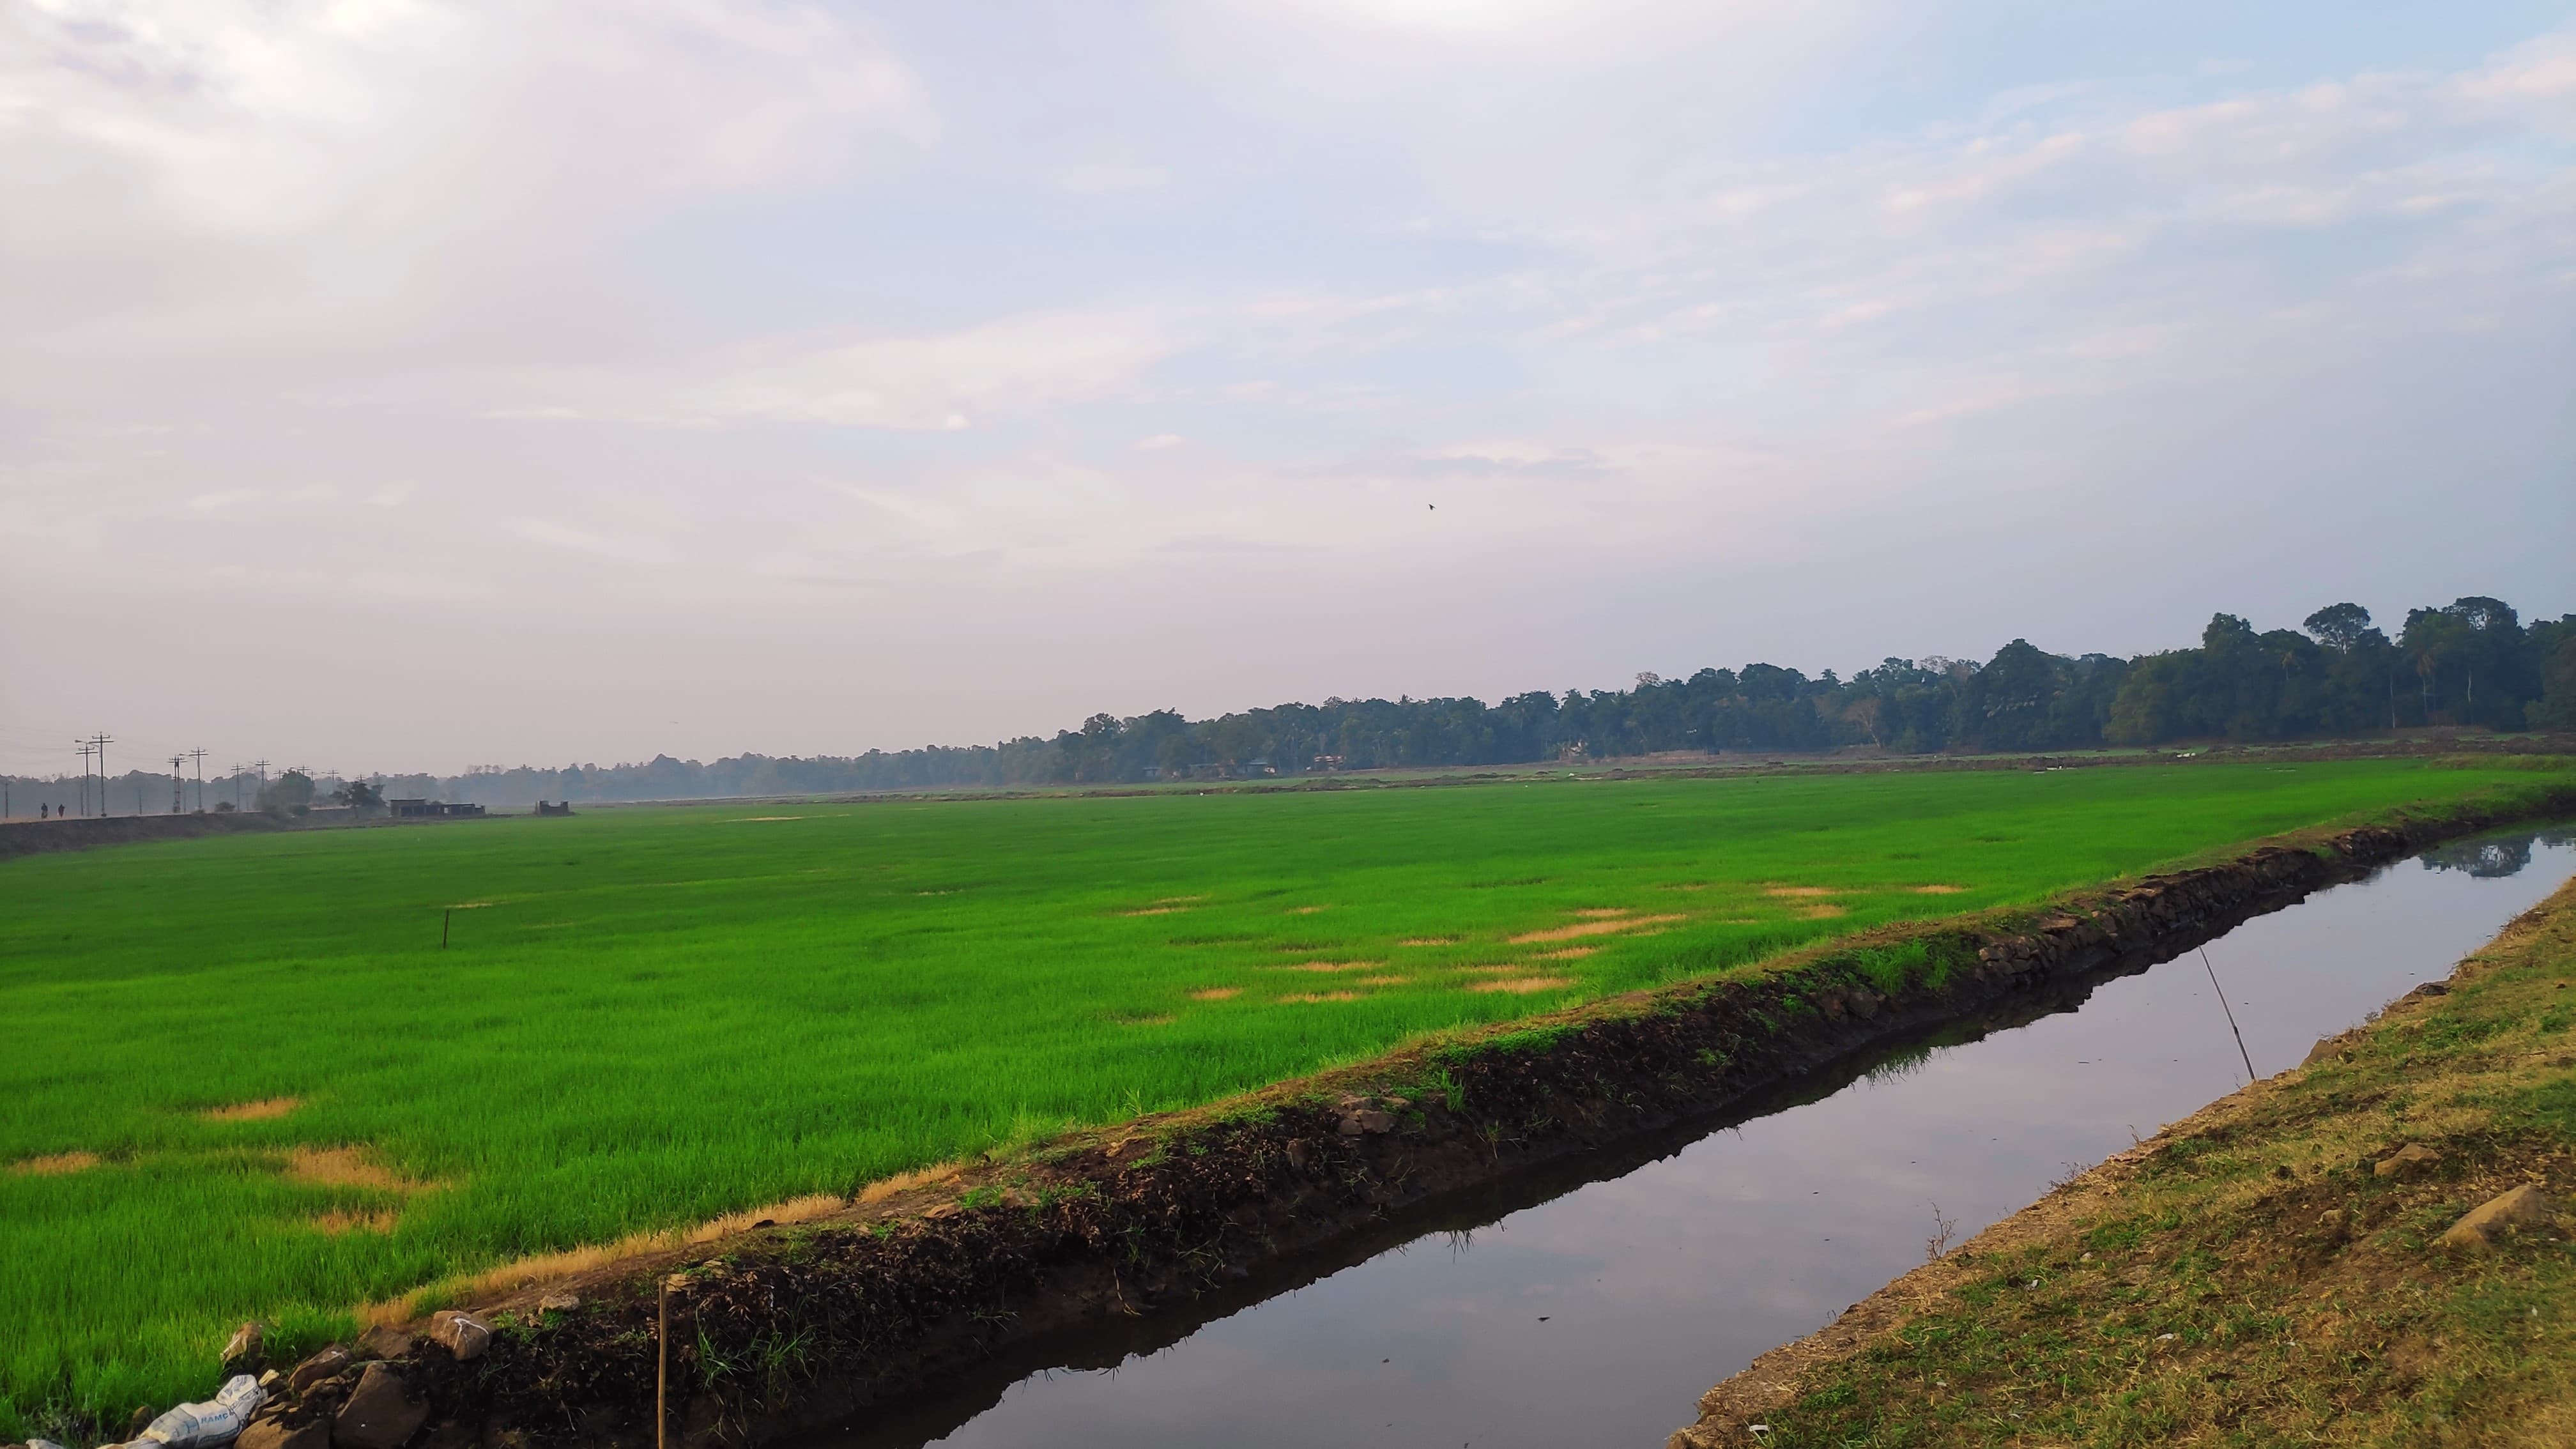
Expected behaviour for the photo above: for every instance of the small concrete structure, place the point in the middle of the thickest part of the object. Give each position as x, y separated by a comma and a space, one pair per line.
435, 810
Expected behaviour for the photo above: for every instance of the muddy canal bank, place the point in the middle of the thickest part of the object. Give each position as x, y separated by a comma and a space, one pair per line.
794, 1329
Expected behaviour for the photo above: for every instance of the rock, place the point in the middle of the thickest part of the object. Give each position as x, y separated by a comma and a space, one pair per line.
2410, 1161
461, 1334
1297, 1154
559, 1303
2524, 1207
248, 1351
385, 1341
1865, 1002
314, 1370
274, 1434
1368, 1120
2328, 1048
379, 1414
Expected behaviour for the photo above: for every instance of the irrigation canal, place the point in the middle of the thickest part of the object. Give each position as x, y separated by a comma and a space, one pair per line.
1595, 1306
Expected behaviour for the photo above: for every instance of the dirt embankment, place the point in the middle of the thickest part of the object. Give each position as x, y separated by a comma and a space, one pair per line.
2291, 1265
37, 837
793, 1327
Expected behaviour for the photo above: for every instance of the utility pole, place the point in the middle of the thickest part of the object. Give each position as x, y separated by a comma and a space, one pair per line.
99, 742
178, 786
198, 757
85, 749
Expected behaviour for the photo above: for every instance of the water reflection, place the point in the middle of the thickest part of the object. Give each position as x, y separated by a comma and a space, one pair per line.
2494, 857
1594, 1303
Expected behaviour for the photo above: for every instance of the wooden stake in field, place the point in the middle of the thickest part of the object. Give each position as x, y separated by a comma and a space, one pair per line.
444, 918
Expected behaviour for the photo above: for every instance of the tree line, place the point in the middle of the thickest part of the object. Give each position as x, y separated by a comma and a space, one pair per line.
2472, 662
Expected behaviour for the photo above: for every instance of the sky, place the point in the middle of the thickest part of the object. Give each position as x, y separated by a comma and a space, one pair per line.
400, 386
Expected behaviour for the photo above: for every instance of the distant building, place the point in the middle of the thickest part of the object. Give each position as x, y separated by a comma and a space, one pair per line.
436, 810
545, 809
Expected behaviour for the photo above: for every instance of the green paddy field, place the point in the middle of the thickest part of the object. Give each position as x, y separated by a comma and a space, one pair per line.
240, 1077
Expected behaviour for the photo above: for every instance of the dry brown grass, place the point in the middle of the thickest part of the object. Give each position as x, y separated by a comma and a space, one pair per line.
337, 1223
1428, 941
56, 1165
1307, 910
1822, 913
886, 1187
1797, 893
1523, 985
1217, 993
526, 1273
346, 1167
265, 1109
1569, 953
1331, 966
1312, 998
1381, 981
1155, 911
1163, 1020
1604, 927
1937, 890
755, 819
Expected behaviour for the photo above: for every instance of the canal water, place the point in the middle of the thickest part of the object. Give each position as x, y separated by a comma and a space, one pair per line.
1595, 1308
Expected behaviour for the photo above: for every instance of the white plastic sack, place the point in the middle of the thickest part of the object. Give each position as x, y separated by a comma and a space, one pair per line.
217, 1421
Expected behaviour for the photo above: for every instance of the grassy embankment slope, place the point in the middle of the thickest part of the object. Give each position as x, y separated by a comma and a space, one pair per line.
245, 1080
2248, 1277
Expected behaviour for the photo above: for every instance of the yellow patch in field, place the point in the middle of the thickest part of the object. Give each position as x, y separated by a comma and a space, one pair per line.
1381, 981
1937, 890
1797, 893
1174, 900
1332, 966
1523, 985
1155, 911
1822, 913
336, 1223
1570, 953
1313, 997
57, 1165
1307, 910
1593, 928
1217, 993
756, 819
346, 1167
1428, 941
1604, 913
260, 1111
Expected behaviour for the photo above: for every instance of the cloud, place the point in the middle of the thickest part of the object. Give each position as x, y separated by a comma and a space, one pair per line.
742, 313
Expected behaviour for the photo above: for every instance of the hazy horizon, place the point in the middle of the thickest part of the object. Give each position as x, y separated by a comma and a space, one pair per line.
404, 390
